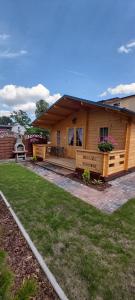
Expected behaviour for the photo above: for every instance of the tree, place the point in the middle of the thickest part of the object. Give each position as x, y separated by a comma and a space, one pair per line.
37, 130
21, 117
4, 120
41, 107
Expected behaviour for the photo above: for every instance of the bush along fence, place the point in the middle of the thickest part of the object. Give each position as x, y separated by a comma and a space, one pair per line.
7, 142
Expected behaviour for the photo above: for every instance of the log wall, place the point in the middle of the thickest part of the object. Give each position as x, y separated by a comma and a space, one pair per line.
131, 156
91, 121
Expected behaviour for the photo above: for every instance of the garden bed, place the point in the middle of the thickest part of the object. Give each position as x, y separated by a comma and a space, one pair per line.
20, 258
96, 181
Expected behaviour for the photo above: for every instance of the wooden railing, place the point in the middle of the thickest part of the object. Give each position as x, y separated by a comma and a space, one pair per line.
92, 160
39, 150
116, 161
104, 163
101, 162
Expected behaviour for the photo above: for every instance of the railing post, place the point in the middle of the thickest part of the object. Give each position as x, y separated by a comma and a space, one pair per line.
105, 164
44, 152
34, 150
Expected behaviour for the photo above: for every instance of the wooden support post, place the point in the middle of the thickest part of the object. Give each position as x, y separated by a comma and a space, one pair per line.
44, 152
34, 150
105, 164
86, 129
127, 144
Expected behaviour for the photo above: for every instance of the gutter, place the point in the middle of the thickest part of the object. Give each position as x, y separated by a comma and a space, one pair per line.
36, 253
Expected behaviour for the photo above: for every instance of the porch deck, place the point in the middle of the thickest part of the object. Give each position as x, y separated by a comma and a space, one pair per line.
103, 163
63, 162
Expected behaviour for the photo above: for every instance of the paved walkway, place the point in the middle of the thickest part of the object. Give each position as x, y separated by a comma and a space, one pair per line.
109, 200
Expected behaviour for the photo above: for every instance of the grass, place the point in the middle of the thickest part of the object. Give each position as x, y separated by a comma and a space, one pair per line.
26, 291
92, 254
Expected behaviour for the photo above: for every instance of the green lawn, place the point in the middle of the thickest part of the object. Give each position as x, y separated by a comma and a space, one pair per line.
91, 254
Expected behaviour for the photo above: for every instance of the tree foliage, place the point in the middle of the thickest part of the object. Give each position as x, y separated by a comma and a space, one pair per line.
21, 117
41, 107
4, 120
36, 130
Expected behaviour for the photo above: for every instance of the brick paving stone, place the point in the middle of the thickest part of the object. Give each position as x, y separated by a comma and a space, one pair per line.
122, 189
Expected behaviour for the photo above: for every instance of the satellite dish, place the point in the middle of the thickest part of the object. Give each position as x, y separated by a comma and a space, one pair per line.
18, 129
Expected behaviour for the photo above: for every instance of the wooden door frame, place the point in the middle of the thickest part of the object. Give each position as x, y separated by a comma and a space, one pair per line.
74, 147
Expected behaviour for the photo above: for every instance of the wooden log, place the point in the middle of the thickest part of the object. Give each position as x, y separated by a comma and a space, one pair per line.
127, 144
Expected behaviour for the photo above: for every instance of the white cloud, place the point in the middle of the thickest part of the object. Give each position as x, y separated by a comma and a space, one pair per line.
12, 54
4, 36
29, 107
5, 113
120, 89
14, 97
127, 48
123, 49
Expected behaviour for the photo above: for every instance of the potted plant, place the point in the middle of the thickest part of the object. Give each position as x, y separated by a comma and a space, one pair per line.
107, 144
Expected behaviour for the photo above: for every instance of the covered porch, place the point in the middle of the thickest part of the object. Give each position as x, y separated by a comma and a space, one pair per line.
44, 152
102, 163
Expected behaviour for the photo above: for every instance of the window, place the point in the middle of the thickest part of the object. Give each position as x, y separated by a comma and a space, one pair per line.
58, 137
71, 136
116, 104
79, 136
103, 133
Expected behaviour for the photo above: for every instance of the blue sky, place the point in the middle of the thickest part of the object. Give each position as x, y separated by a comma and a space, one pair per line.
48, 48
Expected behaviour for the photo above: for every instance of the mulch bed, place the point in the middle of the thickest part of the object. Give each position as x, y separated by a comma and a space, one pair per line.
77, 176
20, 258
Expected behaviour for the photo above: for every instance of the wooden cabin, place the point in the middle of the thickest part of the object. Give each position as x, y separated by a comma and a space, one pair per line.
76, 126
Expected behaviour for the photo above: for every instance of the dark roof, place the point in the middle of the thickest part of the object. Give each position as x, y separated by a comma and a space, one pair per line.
76, 100
117, 98
6, 126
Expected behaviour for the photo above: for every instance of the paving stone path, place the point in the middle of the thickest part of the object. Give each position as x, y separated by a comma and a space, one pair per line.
122, 189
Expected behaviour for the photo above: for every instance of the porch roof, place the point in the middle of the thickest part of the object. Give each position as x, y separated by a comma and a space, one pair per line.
67, 105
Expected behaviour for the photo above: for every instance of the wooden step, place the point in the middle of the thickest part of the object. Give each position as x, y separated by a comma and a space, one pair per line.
64, 164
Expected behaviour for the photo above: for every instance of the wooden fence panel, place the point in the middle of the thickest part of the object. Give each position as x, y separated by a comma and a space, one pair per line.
7, 146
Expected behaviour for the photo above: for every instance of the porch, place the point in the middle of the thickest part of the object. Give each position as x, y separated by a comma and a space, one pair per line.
103, 163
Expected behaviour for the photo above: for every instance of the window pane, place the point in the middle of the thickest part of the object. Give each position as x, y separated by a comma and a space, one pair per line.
79, 136
116, 104
71, 136
103, 133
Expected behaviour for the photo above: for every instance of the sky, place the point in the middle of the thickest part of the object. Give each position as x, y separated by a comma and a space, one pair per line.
83, 48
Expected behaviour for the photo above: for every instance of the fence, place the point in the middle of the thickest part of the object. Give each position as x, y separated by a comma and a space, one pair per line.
7, 143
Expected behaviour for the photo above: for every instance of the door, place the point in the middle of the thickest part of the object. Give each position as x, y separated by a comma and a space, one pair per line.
75, 140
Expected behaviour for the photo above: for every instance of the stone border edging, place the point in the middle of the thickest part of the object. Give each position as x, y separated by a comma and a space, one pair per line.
36, 253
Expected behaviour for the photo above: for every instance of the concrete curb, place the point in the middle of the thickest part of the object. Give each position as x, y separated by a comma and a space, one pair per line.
36, 253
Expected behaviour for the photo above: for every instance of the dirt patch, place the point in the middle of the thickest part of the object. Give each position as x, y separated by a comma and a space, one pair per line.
20, 258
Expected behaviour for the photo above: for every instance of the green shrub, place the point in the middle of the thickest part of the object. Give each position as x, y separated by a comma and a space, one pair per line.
34, 158
86, 176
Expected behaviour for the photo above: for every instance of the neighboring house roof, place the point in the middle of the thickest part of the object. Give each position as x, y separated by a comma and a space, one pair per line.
116, 99
5, 126
69, 104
